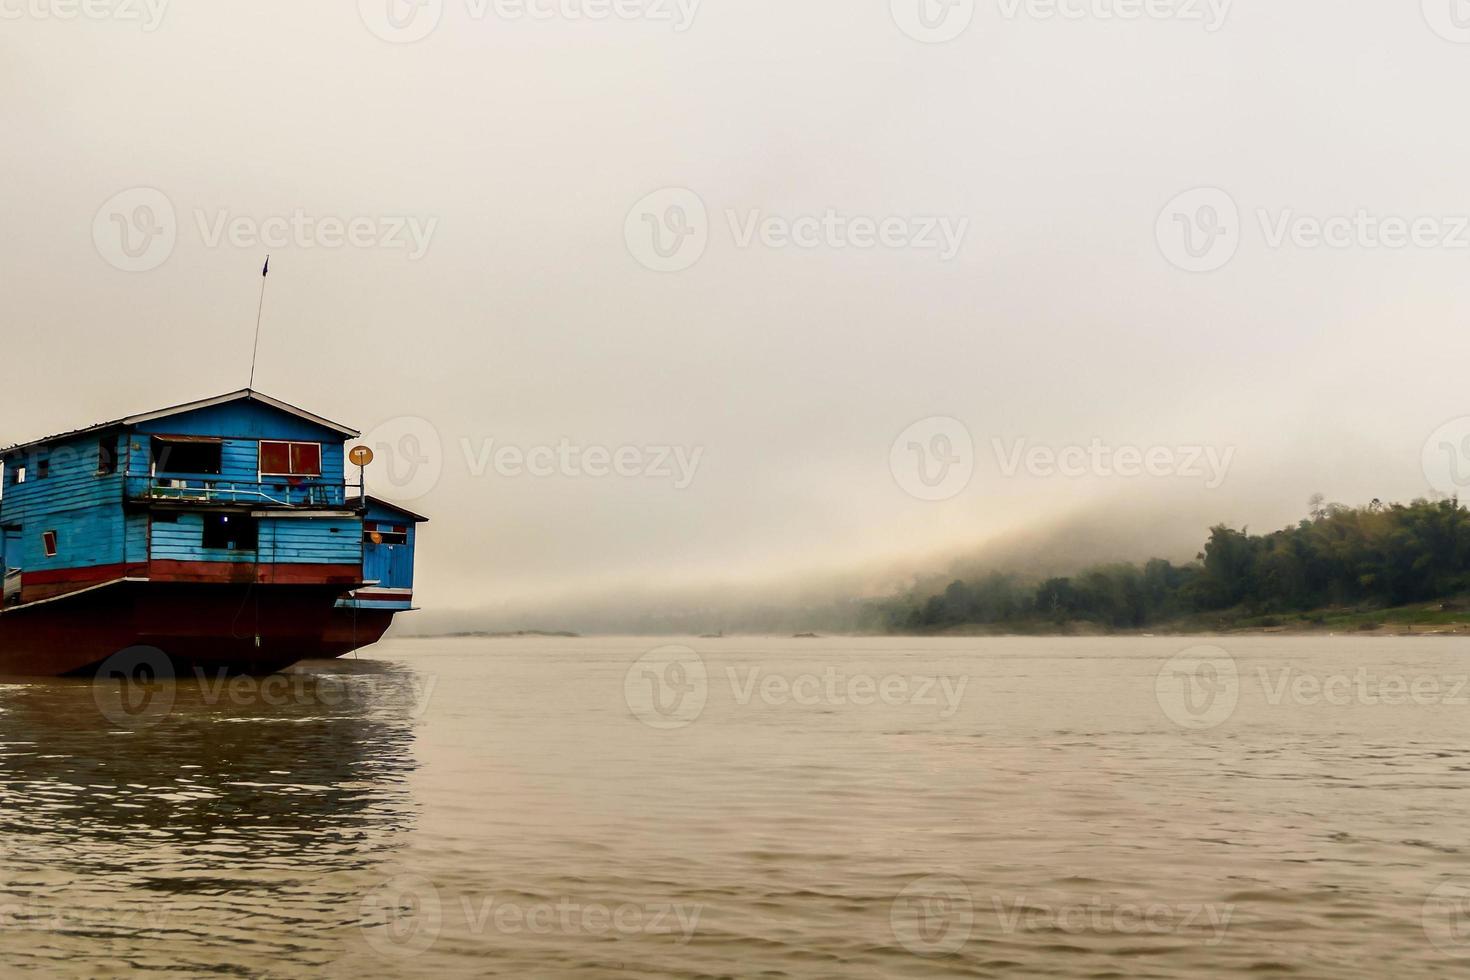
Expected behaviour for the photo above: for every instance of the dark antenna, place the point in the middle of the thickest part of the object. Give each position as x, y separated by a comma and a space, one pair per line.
265, 271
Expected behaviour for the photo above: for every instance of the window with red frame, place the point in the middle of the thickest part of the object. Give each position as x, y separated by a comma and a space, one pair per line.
48, 541
290, 459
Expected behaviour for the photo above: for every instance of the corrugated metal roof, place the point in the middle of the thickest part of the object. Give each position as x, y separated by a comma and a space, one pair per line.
244, 394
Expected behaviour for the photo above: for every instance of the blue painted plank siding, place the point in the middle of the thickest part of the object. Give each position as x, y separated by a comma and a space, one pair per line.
281, 541
83, 508
313, 540
244, 420
182, 539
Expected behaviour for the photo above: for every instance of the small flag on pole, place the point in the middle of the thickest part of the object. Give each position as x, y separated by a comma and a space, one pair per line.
265, 268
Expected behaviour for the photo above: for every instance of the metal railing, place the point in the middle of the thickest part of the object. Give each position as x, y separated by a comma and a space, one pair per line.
275, 493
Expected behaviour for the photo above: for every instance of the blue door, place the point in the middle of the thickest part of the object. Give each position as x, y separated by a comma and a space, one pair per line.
400, 566
375, 562
389, 565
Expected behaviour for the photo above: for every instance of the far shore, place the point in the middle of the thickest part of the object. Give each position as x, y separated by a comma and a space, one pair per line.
1399, 621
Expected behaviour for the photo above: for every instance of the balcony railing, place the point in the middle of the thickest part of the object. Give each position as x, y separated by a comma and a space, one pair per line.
197, 490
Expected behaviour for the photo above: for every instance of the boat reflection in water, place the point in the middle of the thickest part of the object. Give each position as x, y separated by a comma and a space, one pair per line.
186, 824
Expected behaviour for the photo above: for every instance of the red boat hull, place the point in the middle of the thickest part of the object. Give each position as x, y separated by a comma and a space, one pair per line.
239, 628
352, 629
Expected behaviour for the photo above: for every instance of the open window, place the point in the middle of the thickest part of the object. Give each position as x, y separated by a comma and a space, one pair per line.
290, 459
188, 457
384, 534
230, 532
43, 467
106, 457
48, 542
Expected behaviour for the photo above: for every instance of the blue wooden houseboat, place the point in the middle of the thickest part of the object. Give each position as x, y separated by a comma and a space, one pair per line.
223, 532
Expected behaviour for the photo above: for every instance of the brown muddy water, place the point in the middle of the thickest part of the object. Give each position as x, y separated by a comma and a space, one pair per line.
739, 807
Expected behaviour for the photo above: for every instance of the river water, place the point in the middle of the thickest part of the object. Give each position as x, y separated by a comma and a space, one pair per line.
752, 807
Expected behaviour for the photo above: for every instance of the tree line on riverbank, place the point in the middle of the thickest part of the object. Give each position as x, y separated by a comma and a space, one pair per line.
1374, 555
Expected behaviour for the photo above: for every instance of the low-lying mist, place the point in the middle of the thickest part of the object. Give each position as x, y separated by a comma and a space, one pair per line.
1130, 529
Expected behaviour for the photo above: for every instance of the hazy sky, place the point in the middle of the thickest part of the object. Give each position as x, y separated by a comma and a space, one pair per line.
569, 231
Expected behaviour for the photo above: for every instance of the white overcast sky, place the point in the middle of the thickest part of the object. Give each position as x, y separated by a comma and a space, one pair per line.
524, 143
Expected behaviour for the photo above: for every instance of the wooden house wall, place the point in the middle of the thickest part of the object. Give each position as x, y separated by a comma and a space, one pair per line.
281, 541
81, 506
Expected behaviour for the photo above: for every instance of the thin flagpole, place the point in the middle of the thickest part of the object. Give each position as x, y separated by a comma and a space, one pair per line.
264, 272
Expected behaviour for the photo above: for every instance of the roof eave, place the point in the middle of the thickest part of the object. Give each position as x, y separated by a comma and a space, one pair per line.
244, 394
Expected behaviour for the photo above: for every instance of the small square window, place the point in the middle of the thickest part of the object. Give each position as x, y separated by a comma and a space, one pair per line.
48, 541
